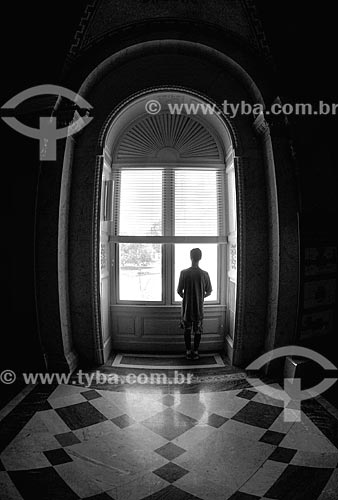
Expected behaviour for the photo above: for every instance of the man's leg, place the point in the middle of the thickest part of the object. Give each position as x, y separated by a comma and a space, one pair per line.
187, 339
198, 328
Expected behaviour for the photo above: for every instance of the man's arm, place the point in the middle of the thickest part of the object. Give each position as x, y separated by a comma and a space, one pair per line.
180, 287
208, 287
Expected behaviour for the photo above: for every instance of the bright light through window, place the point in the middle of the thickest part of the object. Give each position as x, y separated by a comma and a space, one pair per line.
168, 203
140, 203
140, 272
208, 263
196, 203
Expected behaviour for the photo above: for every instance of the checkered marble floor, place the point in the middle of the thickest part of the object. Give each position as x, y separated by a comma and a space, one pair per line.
78, 443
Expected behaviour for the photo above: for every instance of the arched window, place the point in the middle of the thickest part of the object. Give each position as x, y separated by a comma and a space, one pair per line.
169, 194
168, 185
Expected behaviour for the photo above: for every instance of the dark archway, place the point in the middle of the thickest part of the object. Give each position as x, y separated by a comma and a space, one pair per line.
267, 273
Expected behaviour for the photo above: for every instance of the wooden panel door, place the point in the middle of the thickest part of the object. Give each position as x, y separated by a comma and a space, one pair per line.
232, 256
105, 216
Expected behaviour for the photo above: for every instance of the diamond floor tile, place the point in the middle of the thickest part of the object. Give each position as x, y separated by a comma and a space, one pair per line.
216, 420
247, 394
171, 493
239, 495
80, 415
258, 414
170, 472
57, 456
169, 423
67, 439
281, 454
272, 437
123, 421
92, 394
168, 400
170, 451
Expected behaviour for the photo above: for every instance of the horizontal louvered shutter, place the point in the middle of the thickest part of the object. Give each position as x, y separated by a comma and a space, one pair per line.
140, 206
197, 201
192, 205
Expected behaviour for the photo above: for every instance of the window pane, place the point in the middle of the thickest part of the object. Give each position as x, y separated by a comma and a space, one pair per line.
140, 271
140, 203
208, 263
196, 203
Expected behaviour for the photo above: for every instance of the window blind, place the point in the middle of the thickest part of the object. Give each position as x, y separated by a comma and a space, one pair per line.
176, 202
140, 203
198, 203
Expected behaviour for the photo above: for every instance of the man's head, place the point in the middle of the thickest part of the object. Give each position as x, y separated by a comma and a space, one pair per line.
195, 255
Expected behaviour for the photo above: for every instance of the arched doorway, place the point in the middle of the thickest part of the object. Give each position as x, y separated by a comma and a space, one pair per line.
168, 184
266, 268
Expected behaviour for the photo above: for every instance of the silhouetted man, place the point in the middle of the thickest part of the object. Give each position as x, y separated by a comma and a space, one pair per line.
193, 286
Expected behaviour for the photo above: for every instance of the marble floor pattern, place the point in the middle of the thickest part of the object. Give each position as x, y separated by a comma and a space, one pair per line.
66, 442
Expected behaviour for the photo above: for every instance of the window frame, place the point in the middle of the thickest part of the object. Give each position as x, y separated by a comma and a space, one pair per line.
167, 240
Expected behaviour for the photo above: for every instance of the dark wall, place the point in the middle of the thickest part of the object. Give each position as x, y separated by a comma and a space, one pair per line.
304, 47
34, 43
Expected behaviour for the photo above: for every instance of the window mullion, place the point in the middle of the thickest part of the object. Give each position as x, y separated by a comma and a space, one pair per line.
168, 230
168, 199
